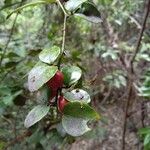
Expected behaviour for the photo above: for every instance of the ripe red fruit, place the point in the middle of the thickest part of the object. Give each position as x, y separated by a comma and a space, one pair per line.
56, 81
61, 103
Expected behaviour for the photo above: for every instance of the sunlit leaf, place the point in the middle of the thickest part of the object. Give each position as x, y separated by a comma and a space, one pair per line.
49, 55
80, 110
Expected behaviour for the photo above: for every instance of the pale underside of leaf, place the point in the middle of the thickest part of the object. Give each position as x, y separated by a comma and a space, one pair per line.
78, 95
73, 4
75, 126
39, 75
49, 55
36, 114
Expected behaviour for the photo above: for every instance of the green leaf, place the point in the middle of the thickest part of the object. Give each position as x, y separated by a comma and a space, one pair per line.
39, 75
147, 139
80, 110
71, 74
35, 115
75, 126
31, 4
89, 12
144, 131
4, 90
49, 55
73, 4
8, 100
78, 95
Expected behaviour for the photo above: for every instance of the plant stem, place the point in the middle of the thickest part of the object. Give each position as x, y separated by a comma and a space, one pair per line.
137, 49
131, 74
63, 40
62, 7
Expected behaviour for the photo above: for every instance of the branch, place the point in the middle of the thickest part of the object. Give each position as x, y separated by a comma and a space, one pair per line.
131, 73
137, 49
130, 89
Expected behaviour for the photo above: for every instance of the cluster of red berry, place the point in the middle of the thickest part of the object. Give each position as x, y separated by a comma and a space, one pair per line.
55, 83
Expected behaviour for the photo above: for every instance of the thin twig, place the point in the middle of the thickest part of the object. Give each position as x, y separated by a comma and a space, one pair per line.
62, 7
63, 44
130, 75
143, 113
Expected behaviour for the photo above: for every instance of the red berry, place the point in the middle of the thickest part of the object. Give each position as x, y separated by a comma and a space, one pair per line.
61, 103
56, 81
53, 93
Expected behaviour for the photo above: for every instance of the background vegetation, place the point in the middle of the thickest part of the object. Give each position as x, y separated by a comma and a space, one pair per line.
102, 50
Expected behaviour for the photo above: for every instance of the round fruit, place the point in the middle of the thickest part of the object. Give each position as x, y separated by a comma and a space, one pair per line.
56, 81
61, 103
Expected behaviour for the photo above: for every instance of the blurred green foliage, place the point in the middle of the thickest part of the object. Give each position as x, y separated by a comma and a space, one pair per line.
40, 27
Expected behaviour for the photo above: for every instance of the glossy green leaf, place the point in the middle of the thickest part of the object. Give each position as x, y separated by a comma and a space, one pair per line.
71, 74
35, 115
75, 126
89, 12
80, 110
78, 95
49, 55
73, 4
39, 75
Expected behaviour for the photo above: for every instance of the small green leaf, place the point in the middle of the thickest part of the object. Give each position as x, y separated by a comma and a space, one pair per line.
73, 4
80, 110
49, 55
75, 126
89, 12
71, 74
35, 115
39, 75
78, 95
